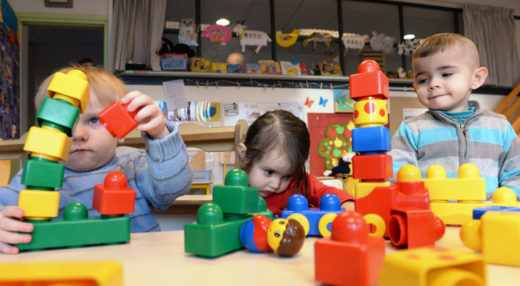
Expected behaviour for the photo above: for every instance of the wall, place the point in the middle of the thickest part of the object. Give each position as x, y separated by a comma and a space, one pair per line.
80, 7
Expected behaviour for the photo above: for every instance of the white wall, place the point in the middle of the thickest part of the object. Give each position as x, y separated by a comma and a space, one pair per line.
80, 7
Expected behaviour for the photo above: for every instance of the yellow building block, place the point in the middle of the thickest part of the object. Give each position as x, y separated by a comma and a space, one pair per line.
71, 87
363, 188
100, 273
48, 143
497, 235
459, 213
370, 112
432, 267
467, 186
39, 204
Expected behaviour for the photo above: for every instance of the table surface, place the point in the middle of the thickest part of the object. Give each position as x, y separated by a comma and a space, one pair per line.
159, 259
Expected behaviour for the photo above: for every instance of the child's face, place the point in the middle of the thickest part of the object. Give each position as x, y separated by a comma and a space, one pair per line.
92, 145
444, 80
271, 175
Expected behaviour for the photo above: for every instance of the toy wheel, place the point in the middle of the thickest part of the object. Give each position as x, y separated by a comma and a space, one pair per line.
398, 230
302, 220
376, 224
324, 223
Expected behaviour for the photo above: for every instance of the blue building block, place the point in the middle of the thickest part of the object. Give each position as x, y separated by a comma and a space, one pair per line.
478, 212
371, 140
297, 204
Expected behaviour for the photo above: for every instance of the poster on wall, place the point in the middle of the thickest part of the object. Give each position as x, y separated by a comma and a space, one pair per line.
331, 139
9, 85
250, 111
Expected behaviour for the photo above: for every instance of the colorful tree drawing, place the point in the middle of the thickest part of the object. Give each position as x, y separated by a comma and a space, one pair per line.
336, 144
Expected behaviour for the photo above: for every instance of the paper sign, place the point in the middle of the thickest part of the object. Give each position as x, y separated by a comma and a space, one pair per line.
175, 94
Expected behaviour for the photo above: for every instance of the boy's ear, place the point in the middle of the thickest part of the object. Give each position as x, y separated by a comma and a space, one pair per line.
241, 150
479, 77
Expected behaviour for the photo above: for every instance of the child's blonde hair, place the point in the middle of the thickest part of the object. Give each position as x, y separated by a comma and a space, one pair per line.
108, 87
440, 42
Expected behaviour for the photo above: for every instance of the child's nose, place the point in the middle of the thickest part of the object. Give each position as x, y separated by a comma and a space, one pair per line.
79, 133
275, 183
434, 82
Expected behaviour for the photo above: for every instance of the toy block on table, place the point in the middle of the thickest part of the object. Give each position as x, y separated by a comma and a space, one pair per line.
236, 197
427, 228
80, 273
58, 114
468, 186
318, 219
363, 189
432, 266
372, 167
48, 144
43, 174
71, 87
117, 119
496, 235
370, 81
76, 229
39, 204
370, 140
350, 256
479, 212
114, 197
371, 112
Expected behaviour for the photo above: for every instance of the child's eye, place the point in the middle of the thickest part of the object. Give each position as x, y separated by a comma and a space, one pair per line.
288, 177
447, 74
93, 121
421, 80
269, 172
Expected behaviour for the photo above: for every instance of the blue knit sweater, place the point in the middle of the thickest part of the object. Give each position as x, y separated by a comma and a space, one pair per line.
485, 139
159, 175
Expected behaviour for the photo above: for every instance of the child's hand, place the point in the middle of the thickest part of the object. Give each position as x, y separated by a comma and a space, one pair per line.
348, 206
9, 226
150, 118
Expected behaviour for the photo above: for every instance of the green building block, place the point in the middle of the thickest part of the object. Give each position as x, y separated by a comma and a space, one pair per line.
236, 177
211, 235
236, 199
43, 174
77, 230
58, 114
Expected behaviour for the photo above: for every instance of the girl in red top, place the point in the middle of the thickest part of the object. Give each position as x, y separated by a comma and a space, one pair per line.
274, 154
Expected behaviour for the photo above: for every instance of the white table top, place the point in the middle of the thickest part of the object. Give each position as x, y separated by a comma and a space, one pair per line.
159, 259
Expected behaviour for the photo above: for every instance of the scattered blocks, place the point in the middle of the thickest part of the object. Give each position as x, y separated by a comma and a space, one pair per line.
496, 234
350, 256
114, 197
117, 119
101, 273
319, 220
431, 267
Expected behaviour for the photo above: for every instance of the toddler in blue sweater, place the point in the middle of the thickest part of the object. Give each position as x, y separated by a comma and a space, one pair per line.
159, 174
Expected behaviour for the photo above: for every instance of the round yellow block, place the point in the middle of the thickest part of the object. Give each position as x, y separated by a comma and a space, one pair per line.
370, 112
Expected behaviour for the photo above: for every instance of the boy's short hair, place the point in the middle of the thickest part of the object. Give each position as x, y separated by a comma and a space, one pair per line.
107, 86
440, 42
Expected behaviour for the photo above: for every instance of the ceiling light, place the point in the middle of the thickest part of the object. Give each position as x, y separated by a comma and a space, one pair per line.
223, 22
409, 37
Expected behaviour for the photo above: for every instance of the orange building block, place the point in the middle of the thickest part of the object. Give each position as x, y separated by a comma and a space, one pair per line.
372, 167
370, 81
114, 197
117, 119
350, 256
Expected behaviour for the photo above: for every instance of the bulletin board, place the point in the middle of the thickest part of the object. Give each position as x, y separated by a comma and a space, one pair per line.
331, 139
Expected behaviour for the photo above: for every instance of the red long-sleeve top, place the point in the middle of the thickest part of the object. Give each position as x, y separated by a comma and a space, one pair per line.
278, 202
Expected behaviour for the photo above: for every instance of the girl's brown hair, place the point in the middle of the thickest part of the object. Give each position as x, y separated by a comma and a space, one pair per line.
279, 130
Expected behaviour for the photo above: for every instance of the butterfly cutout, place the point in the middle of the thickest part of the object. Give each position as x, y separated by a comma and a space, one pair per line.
323, 101
309, 102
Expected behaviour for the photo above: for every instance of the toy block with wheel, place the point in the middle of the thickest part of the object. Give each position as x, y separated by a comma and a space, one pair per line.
496, 235
432, 266
319, 219
114, 197
71, 87
117, 119
350, 256
371, 140
369, 82
372, 167
76, 229
100, 273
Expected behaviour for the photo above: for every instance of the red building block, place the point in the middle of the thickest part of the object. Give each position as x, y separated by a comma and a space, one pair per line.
414, 228
114, 197
350, 256
117, 119
372, 167
369, 82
